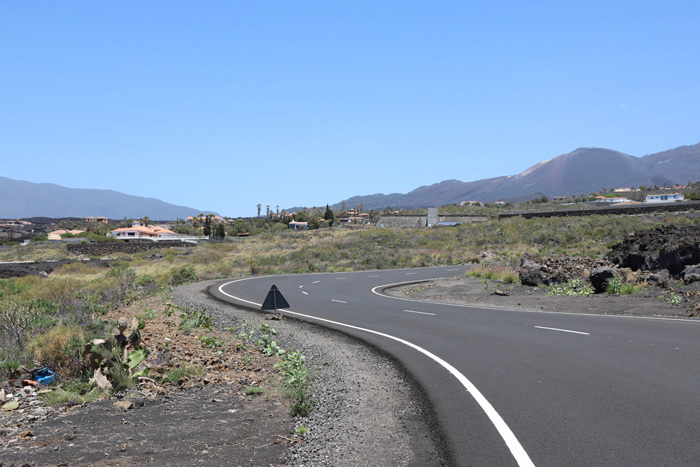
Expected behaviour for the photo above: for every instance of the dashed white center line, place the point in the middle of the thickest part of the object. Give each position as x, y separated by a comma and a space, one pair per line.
305, 293
410, 273
419, 312
341, 278
372, 276
337, 301
450, 270
301, 286
315, 282
564, 330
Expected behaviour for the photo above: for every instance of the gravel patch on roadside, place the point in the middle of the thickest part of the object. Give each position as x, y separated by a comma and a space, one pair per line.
368, 411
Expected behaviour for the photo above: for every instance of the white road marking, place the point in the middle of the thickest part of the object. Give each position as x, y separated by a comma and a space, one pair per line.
450, 270
411, 273
564, 330
304, 292
341, 278
372, 276
315, 282
516, 449
301, 286
337, 301
419, 312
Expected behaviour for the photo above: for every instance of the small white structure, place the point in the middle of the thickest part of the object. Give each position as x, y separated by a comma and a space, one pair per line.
294, 225
665, 198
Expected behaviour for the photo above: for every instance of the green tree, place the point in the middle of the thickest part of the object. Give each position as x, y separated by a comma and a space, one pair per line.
314, 222
220, 231
207, 225
328, 215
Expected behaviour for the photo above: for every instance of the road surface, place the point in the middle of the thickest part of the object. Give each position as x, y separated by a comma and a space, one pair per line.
515, 387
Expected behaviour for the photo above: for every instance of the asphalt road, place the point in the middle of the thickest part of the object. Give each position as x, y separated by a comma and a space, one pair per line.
515, 387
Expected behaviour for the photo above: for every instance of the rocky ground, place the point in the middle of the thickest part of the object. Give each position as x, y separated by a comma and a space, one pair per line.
42, 268
368, 412
649, 300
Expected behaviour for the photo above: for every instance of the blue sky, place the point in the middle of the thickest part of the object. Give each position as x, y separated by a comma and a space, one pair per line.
221, 105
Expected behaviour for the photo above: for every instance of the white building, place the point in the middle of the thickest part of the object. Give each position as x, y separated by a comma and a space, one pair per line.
665, 198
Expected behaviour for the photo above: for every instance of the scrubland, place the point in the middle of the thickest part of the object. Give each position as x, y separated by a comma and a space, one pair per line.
48, 320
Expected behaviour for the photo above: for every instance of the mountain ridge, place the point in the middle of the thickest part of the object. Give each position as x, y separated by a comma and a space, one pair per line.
581, 171
23, 199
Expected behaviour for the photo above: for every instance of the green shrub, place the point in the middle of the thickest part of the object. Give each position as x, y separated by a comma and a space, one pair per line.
60, 348
297, 384
191, 319
178, 374
573, 287
184, 275
614, 286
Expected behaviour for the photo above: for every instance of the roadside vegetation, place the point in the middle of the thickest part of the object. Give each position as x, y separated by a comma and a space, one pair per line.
51, 320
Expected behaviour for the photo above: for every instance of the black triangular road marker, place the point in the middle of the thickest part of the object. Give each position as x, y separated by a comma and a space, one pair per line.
274, 300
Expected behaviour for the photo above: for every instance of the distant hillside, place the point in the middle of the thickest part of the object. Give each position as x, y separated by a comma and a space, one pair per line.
21, 199
584, 170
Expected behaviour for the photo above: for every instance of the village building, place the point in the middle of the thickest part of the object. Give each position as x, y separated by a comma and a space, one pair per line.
144, 232
56, 234
665, 198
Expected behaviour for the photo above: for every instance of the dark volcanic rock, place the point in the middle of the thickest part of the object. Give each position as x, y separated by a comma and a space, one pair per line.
662, 278
600, 277
535, 270
667, 247
691, 274
531, 273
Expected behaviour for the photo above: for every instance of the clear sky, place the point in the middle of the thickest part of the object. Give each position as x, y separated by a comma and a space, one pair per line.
221, 105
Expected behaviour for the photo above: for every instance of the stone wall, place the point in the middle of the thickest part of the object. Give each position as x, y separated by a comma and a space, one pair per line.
110, 248
620, 210
420, 221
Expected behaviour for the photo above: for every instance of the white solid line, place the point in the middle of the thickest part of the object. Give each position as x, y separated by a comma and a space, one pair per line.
564, 330
337, 301
419, 312
516, 449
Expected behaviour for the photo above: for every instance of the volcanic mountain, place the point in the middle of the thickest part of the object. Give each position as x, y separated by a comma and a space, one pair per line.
21, 199
582, 171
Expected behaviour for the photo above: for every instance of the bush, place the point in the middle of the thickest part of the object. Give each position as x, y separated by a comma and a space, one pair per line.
614, 286
573, 287
184, 275
60, 349
185, 371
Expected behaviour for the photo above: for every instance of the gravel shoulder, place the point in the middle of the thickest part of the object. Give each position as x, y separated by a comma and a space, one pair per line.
469, 291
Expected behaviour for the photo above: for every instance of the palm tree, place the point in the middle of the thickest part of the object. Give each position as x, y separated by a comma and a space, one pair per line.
259, 206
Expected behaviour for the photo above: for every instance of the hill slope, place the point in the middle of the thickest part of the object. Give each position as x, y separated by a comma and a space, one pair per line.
21, 199
581, 171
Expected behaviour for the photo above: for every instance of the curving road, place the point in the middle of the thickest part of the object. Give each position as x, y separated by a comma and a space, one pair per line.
514, 387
